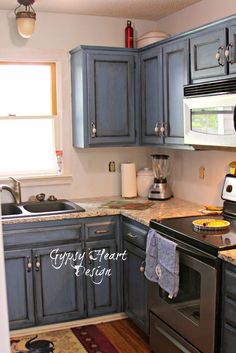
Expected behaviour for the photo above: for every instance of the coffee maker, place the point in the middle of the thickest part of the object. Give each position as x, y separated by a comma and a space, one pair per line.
160, 189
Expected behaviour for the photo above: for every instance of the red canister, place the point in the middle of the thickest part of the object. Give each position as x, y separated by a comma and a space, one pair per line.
129, 35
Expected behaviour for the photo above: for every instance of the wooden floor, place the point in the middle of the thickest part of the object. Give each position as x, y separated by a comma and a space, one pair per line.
125, 336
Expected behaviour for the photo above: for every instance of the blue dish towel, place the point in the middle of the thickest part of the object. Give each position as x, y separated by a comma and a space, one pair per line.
162, 263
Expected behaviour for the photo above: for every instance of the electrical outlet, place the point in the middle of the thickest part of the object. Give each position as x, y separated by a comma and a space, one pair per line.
202, 172
112, 166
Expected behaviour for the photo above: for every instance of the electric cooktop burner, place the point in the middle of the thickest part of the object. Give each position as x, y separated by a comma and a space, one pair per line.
209, 241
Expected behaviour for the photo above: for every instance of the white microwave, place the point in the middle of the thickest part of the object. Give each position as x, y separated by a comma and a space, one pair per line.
210, 114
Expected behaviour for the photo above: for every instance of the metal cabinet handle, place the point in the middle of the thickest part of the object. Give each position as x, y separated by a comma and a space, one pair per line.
156, 129
142, 267
162, 130
102, 231
90, 258
29, 264
219, 56
228, 53
37, 262
131, 235
94, 130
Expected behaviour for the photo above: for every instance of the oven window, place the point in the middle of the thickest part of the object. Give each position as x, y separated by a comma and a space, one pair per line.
213, 121
188, 299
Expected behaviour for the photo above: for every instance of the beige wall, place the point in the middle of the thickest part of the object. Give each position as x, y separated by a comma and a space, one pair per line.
197, 15
60, 31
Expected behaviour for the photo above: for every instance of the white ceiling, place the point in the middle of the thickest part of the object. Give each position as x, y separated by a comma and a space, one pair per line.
142, 9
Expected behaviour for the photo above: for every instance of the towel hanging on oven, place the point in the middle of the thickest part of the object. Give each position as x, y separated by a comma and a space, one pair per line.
162, 263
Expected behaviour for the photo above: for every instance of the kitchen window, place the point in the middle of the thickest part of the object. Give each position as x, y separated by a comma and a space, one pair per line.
29, 121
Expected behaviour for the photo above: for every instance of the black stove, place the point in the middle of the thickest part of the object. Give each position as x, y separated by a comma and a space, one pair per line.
208, 241
196, 306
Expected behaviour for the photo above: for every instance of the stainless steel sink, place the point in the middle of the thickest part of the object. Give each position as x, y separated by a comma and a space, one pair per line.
27, 209
10, 209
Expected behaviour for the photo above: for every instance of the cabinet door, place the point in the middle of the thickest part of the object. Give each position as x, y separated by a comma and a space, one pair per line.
111, 99
59, 292
176, 75
228, 314
135, 287
19, 280
232, 49
203, 48
151, 96
102, 283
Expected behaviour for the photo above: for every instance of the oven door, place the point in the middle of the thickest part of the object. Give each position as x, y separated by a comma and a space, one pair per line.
210, 120
193, 312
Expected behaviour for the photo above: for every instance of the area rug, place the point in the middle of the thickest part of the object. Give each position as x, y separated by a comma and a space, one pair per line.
85, 339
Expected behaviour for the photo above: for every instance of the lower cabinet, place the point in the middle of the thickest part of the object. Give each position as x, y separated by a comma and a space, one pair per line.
228, 322
19, 281
102, 287
56, 273
58, 291
135, 283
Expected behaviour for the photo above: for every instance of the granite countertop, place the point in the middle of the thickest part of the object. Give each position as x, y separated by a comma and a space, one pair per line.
159, 210
228, 255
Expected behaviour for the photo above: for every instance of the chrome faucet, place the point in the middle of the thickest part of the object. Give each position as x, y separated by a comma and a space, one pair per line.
15, 190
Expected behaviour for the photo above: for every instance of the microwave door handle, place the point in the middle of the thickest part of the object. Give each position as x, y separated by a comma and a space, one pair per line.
235, 117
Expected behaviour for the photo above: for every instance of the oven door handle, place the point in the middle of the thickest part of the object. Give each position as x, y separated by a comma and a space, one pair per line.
194, 253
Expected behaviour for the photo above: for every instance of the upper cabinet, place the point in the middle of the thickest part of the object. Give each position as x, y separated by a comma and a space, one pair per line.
125, 97
104, 103
175, 76
213, 53
207, 54
164, 72
231, 49
151, 96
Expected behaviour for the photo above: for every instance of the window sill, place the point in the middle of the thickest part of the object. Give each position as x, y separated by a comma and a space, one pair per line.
39, 180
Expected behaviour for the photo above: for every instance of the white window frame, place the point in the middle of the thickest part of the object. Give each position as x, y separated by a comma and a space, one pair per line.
63, 123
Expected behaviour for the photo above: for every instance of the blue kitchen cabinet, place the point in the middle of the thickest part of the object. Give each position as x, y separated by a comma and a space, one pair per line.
103, 286
19, 282
231, 47
175, 75
204, 46
151, 95
104, 282
104, 96
228, 321
38, 293
135, 283
59, 293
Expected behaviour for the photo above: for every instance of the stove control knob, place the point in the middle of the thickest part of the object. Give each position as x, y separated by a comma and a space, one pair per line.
229, 188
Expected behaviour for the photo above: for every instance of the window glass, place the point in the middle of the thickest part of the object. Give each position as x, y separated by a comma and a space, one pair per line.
27, 119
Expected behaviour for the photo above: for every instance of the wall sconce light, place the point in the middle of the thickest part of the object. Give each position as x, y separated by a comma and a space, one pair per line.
25, 19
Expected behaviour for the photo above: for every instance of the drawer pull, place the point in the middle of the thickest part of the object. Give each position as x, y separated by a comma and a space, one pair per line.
102, 231
29, 263
132, 235
37, 262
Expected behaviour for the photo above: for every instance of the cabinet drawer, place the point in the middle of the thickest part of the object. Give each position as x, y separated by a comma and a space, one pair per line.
163, 339
228, 339
230, 311
102, 229
45, 234
135, 235
230, 281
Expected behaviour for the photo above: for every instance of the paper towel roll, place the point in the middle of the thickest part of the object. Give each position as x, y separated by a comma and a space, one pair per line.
128, 180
